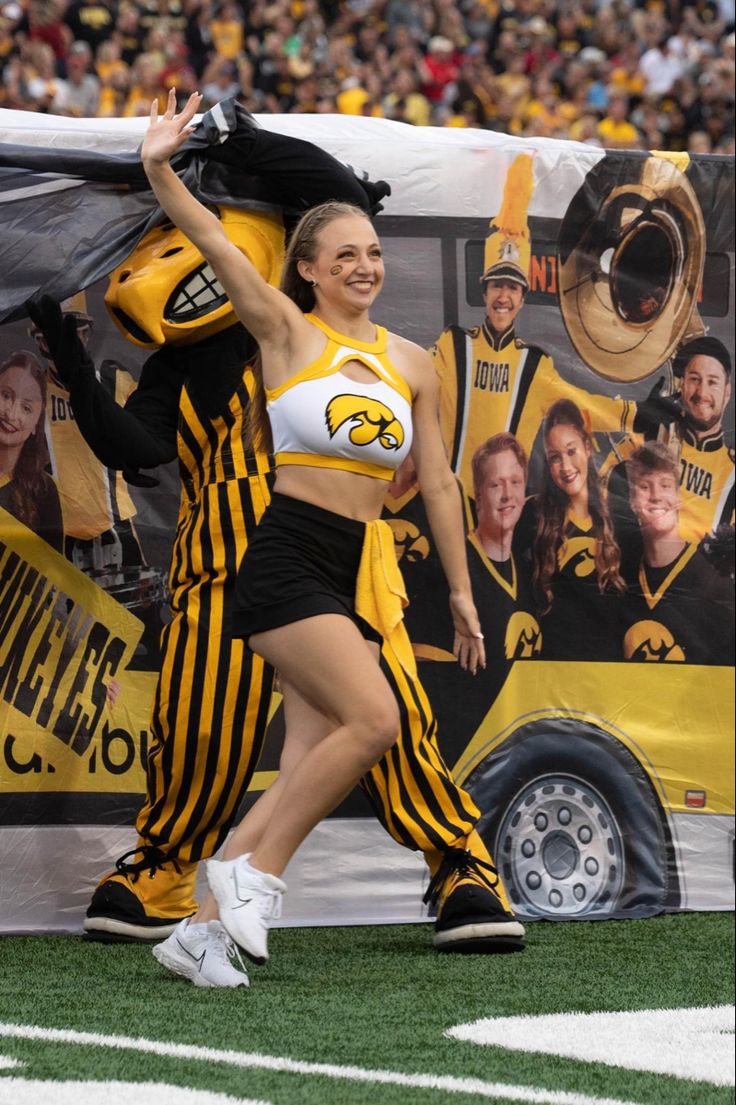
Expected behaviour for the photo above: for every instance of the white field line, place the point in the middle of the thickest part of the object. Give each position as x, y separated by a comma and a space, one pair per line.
254, 1060
694, 1043
20, 1091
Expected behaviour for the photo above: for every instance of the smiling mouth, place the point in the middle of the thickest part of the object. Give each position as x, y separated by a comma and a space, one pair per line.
7, 428
200, 293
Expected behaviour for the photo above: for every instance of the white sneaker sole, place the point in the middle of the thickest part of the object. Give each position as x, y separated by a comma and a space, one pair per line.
148, 933
506, 933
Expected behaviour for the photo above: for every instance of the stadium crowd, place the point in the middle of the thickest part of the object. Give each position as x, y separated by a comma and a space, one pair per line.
627, 74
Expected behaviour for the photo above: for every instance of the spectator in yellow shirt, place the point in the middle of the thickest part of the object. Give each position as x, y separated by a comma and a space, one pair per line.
145, 87
405, 102
615, 131
227, 33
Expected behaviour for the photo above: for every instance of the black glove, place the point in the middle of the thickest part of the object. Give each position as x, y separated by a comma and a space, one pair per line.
719, 547
139, 479
375, 191
656, 410
71, 360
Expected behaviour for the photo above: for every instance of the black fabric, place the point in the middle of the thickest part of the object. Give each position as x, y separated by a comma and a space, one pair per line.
288, 171
301, 561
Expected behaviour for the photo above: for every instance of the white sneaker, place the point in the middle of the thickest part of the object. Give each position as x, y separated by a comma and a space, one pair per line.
204, 954
248, 900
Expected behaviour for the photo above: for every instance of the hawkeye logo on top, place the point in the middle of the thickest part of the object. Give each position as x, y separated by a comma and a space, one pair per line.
369, 419
579, 554
523, 637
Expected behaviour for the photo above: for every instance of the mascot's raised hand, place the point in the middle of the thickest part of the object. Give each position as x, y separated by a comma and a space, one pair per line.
65, 348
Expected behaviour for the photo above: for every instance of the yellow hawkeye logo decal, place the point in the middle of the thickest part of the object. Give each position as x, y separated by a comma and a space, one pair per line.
523, 637
371, 421
652, 641
579, 554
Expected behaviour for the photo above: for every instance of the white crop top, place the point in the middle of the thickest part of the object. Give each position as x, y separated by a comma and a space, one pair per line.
322, 419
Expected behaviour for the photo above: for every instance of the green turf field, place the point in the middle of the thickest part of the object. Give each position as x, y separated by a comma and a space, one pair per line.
350, 1016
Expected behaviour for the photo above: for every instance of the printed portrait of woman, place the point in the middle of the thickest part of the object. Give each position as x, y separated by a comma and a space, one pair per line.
576, 561
26, 489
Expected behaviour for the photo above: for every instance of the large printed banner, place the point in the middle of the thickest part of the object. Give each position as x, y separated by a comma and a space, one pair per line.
578, 305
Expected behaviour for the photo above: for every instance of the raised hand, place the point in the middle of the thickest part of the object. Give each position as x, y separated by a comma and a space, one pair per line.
65, 348
656, 410
166, 134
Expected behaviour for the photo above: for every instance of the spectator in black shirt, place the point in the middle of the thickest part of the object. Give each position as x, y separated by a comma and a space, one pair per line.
91, 21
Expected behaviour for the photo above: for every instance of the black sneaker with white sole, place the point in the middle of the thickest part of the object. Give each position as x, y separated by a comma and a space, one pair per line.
117, 916
471, 917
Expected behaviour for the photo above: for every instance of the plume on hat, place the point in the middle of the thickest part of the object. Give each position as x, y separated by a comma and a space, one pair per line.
508, 246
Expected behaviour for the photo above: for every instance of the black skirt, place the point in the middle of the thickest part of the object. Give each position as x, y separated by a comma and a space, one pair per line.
302, 561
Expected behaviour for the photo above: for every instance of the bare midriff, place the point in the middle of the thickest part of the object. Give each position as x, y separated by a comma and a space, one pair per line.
346, 493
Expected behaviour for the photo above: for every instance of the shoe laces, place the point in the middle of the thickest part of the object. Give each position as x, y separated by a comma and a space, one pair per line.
226, 950
462, 864
153, 860
269, 904
267, 898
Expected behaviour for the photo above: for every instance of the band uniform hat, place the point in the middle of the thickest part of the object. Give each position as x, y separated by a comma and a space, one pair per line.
507, 253
77, 305
701, 347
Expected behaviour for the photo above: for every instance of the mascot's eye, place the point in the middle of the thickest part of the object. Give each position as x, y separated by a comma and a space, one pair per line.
171, 252
123, 277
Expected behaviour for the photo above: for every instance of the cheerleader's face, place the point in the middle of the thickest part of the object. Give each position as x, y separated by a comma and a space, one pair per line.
20, 406
655, 500
567, 457
348, 267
